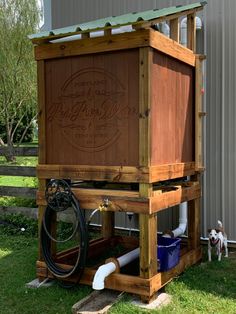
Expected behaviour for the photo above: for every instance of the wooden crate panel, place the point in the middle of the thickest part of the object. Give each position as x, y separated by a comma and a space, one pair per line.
172, 111
92, 109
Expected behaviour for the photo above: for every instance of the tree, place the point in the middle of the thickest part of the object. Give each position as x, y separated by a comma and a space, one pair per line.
18, 18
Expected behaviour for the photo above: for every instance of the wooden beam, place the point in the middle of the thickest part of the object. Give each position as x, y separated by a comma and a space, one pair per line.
148, 24
91, 173
18, 171
168, 199
198, 111
108, 224
131, 284
120, 201
93, 45
21, 151
145, 55
172, 48
194, 224
171, 171
174, 29
191, 31
41, 138
18, 191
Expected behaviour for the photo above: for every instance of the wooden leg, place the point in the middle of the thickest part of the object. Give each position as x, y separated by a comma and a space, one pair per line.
148, 245
194, 224
108, 222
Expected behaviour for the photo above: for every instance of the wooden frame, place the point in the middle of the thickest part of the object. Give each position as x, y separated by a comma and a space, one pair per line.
150, 198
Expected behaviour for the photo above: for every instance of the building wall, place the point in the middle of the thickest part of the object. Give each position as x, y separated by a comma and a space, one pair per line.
219, 44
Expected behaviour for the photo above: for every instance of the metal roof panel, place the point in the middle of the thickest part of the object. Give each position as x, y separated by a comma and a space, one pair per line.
116, 21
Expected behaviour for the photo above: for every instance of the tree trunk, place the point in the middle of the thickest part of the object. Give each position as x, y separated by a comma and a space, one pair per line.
10, 154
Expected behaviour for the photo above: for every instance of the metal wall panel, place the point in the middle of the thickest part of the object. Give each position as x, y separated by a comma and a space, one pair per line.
219, 20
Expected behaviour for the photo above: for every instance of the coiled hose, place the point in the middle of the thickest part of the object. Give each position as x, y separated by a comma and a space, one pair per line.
81, 228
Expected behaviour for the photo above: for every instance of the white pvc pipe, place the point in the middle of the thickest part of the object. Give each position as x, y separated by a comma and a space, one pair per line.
105, 270
182, 220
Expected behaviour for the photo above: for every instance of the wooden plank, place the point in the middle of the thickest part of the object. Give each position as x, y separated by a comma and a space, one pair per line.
148, 24
117, 202
18, 191
174, 29
115, 281
172, 48
41, 111
27, 211
108, 224
93, 45
194, 223
171, 171
188, 259
96, 173
172, 112
21, 151
148, 245
145, 55
41, 139
198, 111
191, 31
172, 198
112, 138
132, 284
18, 171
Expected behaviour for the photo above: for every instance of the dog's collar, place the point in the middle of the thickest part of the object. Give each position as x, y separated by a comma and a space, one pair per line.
213, 243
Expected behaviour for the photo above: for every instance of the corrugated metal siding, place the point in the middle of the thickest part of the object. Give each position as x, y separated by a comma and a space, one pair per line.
219, 19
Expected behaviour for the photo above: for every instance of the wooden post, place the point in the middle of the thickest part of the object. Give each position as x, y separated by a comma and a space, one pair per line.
198, 112
41, 137
191, 31
193, 224
108, 223
174, 29
147, 223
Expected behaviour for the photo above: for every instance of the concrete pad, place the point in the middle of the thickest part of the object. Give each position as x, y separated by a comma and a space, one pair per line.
161, 300
37, 284
98, 302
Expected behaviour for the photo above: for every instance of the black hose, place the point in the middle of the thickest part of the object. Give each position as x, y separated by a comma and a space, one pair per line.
46, 242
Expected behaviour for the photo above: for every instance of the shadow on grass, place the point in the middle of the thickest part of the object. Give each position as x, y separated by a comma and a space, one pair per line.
213, 278
18, 255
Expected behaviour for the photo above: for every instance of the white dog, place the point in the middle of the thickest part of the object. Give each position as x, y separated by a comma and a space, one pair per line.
217, 239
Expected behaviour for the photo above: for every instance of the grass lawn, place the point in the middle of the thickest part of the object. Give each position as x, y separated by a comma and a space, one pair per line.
205, 288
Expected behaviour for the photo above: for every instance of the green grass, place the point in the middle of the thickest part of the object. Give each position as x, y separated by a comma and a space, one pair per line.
17, 267
205, 288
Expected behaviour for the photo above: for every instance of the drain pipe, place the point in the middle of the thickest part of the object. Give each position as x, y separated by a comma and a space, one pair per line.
183, 213
112, 265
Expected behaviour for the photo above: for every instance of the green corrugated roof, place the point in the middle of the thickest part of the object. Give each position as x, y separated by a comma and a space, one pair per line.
116, 21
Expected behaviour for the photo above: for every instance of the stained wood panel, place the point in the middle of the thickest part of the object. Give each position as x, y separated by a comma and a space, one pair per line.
92, 109
172, 111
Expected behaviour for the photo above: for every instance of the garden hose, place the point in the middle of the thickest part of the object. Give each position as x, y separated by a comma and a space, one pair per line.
59, 197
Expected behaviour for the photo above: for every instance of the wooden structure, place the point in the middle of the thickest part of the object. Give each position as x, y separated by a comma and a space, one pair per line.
124, 108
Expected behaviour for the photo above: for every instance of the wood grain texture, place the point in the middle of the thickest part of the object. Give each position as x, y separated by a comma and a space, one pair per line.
127, 283
92, 109
191, 31
171, 48
198, 113
145, 55
174, 29
21, 151
172, 111
194, 223
92, 45
23, 171
96, 173
172, 198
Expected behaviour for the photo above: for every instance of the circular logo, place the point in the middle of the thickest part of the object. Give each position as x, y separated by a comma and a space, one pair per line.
90, 109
